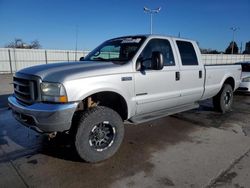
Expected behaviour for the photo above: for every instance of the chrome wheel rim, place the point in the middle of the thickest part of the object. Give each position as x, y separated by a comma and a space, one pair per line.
102, 136
227, 98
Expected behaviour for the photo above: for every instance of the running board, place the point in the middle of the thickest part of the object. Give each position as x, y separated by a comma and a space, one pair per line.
161, 113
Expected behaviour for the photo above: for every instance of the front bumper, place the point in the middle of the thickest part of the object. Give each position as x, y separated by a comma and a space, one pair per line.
43, 117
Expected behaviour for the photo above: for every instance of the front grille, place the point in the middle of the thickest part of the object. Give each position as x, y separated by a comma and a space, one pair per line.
25, 90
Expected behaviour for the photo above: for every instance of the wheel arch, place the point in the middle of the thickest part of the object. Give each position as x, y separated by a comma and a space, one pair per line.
230, 80
110, 99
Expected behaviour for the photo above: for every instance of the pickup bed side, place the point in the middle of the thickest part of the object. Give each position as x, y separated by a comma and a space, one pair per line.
217, 75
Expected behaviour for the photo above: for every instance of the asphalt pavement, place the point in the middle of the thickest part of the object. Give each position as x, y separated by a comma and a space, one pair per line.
197, 148
6, 89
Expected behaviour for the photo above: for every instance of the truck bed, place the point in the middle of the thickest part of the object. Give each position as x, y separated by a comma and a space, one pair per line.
216, 76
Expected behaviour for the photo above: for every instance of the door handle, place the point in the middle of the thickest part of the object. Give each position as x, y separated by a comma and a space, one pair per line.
200, 74
177, 76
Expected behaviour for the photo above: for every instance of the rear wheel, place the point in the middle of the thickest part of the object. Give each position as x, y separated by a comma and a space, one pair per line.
224, 99
99, 135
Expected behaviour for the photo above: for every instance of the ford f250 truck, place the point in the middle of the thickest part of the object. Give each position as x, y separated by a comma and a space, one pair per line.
132, 78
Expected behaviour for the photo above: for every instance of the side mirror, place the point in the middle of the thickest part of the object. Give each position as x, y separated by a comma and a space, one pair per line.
81, 59
157, 60
138, 64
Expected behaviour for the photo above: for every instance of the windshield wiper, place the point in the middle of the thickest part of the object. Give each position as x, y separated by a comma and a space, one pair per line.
115, 61
99, 59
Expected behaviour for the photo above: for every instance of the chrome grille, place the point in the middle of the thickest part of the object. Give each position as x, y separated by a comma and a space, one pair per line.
25, 90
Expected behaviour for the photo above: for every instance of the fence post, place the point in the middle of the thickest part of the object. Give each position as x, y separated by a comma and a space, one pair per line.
14, 50
10, 62
46, 58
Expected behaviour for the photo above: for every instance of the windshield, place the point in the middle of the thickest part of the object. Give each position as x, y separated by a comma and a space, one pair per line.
116, 50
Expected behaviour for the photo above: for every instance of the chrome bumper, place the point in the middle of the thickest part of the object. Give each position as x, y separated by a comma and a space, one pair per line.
43, 117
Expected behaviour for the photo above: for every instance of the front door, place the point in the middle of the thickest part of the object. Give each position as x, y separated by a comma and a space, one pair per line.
157, 89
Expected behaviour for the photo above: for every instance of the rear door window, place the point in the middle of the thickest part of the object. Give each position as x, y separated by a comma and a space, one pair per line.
187, 53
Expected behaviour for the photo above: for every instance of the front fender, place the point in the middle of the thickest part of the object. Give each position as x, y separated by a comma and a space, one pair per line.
78, 90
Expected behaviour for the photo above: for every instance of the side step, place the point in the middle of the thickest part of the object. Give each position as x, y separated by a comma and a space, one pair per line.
161, 113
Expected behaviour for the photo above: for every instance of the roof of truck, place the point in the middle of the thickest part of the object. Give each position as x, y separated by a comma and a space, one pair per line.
154, 36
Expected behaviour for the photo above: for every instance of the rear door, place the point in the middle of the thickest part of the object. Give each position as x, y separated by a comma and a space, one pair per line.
157, 89
191, 72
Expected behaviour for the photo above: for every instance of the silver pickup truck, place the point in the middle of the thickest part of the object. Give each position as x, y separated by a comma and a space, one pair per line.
132, 78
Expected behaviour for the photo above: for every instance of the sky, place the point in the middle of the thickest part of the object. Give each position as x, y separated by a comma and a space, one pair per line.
57, 24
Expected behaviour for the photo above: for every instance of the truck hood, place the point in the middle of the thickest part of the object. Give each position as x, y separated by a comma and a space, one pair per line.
60, 72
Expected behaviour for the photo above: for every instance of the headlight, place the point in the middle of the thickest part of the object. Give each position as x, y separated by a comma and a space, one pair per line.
53, 92
246, 79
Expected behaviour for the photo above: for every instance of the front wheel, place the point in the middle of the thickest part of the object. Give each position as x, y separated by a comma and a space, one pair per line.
224, 99
99, 135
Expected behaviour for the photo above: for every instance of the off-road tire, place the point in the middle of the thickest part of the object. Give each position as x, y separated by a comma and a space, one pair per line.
87, 122
224, 99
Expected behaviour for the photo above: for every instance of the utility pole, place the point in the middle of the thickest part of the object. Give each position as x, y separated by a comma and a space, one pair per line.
76, 42
234, 29
151, 12
241, 47
179, 35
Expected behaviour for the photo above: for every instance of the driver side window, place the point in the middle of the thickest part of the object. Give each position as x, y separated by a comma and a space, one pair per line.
160, 45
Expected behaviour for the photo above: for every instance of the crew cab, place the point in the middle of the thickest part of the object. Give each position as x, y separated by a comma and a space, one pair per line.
126, 79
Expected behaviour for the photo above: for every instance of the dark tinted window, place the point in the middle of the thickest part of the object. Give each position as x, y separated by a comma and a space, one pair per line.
187, 52
160, 45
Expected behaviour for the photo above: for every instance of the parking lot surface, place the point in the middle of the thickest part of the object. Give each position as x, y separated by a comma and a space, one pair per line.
197, 148
6, 88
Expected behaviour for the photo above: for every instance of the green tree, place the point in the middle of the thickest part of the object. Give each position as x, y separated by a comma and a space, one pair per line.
232, 48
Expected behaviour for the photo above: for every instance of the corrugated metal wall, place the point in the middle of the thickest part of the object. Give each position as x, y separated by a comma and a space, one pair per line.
12, 60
